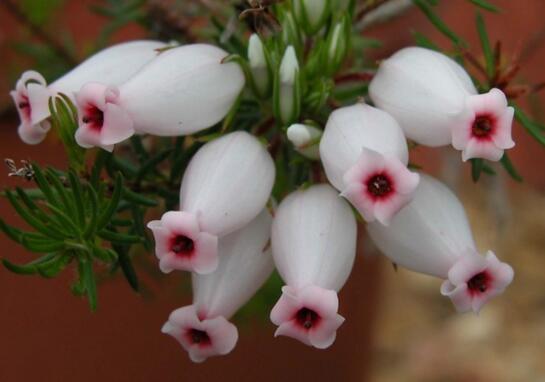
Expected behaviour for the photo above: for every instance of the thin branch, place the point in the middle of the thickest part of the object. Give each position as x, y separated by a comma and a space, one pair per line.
37, 31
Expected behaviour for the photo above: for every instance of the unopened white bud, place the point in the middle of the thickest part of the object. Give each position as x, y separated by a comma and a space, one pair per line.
306, 139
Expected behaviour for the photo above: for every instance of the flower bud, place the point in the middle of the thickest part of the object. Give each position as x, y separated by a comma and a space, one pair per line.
291, 33
184, 90
365, 156
431, 235
111, 66
203, 328
312, 14
305, 139
337, 44
226, 184
259, 66
436, 104
287, 89
314, 245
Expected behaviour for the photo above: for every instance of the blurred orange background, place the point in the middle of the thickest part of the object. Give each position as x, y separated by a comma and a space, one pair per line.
398, 327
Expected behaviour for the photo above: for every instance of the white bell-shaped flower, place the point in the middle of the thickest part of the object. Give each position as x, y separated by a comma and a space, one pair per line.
314, 245
245, 264
184, 90
365, 156
226, 184
432, 235
112, 66
435, 102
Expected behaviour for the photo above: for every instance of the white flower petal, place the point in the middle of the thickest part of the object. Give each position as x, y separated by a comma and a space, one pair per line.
243, 267
429, 234
349, 130
314, 238
425, 91
184, 90
227, 182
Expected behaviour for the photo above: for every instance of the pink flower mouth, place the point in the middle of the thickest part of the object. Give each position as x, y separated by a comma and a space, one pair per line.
103, 122
308, 314
485, 129
31, 97
201, 337
198, 337
94, 118
307, 318
473, 280
24, 109
378, 186
181, 245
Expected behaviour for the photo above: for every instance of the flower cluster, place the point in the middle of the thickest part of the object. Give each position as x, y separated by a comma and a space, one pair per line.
231, 233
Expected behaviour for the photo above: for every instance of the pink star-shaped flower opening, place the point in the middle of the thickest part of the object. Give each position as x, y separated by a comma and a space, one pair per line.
473, 280
486, 131
308, 314
31, 99
180, 244
102, 121
378, 186
201, 337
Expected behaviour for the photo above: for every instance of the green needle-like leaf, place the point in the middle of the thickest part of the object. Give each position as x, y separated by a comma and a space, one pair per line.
138, 198
120, 238
485, 44
125, 263
151, 163
29, 268
107, 214
438, 23
60, 189
90, 228
510, 168
485, 5
476, 168
44, 185
53, 267
531, 127
31, 219
41, 246
88, 277
77, 195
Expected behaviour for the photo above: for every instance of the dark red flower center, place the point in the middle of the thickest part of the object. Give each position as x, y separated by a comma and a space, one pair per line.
199, 337
379, 185
479, 283
483, 126
94, 117
24, 106
182, 245
307, 318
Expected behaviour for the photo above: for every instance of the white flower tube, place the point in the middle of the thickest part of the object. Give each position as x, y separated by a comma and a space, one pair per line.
203, 328
111, 66
226, 184
365, 156
314, 245
436, 104
431, 235
184, 90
